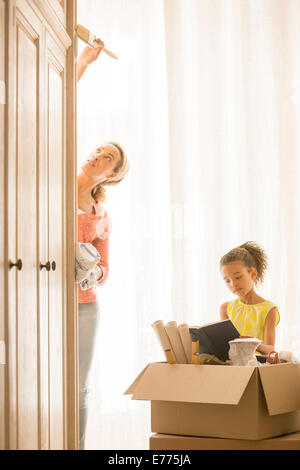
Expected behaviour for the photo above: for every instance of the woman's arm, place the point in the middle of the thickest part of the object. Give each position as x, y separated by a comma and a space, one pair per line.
269, 333
103, 248
87, 56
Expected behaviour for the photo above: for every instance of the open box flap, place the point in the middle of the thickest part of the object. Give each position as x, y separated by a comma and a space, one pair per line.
132, 387
281, 385
191, 383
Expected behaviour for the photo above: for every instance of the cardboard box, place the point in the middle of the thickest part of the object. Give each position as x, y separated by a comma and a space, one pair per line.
236, 402
172, 442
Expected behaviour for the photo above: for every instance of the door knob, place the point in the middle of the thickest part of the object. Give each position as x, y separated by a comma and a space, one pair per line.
53, 265
47, 266
18, 264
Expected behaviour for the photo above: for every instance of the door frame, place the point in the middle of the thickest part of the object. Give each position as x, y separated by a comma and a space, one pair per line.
71, 221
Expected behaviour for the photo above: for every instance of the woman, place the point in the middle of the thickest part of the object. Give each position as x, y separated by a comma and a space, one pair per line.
106, 165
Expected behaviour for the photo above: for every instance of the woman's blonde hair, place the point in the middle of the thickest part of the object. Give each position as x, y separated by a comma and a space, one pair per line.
122, 167
252, 255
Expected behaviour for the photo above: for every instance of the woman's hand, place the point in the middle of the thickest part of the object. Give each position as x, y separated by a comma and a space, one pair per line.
88, 55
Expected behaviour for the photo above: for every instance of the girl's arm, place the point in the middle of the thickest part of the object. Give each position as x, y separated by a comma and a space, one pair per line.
223, 312
269, 333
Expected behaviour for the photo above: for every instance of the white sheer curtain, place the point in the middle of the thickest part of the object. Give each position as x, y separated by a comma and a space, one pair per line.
205, 99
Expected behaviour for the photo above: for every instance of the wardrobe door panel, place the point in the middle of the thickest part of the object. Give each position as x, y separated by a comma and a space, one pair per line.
56, 160
2, 229
26, 222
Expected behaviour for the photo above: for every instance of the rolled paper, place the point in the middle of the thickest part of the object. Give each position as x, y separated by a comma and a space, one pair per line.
176, 343
186, 340
159, 328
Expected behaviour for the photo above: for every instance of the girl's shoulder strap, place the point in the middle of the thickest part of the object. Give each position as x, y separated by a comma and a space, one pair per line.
231, 304
271, 305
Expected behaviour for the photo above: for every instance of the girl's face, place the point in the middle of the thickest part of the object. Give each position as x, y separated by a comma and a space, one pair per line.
100, 164
239, 278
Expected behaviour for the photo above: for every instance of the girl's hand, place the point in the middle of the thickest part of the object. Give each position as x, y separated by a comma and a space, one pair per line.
265, 349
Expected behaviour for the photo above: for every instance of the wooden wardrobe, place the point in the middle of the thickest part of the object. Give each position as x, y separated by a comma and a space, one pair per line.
38, 315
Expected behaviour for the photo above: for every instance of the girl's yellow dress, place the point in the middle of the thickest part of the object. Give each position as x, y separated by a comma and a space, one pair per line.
249, 320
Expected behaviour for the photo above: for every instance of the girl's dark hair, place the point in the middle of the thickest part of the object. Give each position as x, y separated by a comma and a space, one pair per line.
252, 255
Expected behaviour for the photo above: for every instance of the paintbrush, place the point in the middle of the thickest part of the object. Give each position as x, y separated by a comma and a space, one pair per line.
91, 39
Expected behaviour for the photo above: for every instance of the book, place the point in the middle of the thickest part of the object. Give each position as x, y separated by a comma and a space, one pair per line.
213, 338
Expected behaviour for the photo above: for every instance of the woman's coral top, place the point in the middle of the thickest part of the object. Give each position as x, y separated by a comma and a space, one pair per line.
95, 228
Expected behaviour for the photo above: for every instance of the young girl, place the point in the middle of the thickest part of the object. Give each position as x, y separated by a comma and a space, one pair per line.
242, 268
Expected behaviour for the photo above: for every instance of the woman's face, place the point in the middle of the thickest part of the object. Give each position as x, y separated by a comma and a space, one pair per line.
101, 162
